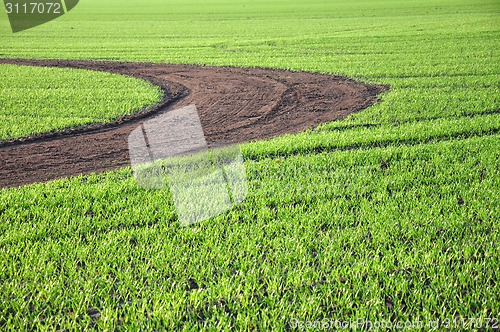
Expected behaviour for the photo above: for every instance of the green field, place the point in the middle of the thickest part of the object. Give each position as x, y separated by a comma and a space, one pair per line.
39, 100
389, 215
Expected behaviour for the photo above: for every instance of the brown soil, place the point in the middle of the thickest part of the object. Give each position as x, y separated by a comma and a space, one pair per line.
234, 104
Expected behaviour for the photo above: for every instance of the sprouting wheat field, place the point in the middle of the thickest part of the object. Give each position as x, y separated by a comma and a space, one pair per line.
390, 215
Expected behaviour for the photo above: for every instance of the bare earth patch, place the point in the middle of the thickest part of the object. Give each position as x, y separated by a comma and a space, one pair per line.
235, 105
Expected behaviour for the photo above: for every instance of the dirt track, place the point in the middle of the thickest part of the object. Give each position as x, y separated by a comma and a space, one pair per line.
235, 105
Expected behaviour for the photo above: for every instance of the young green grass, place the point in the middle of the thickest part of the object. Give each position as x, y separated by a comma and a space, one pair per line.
36, 100
396, 233
389, 215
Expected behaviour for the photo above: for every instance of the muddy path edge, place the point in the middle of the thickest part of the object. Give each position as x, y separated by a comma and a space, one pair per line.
235, 105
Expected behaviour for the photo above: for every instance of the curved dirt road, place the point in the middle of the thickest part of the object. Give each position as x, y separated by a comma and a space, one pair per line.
234, 104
